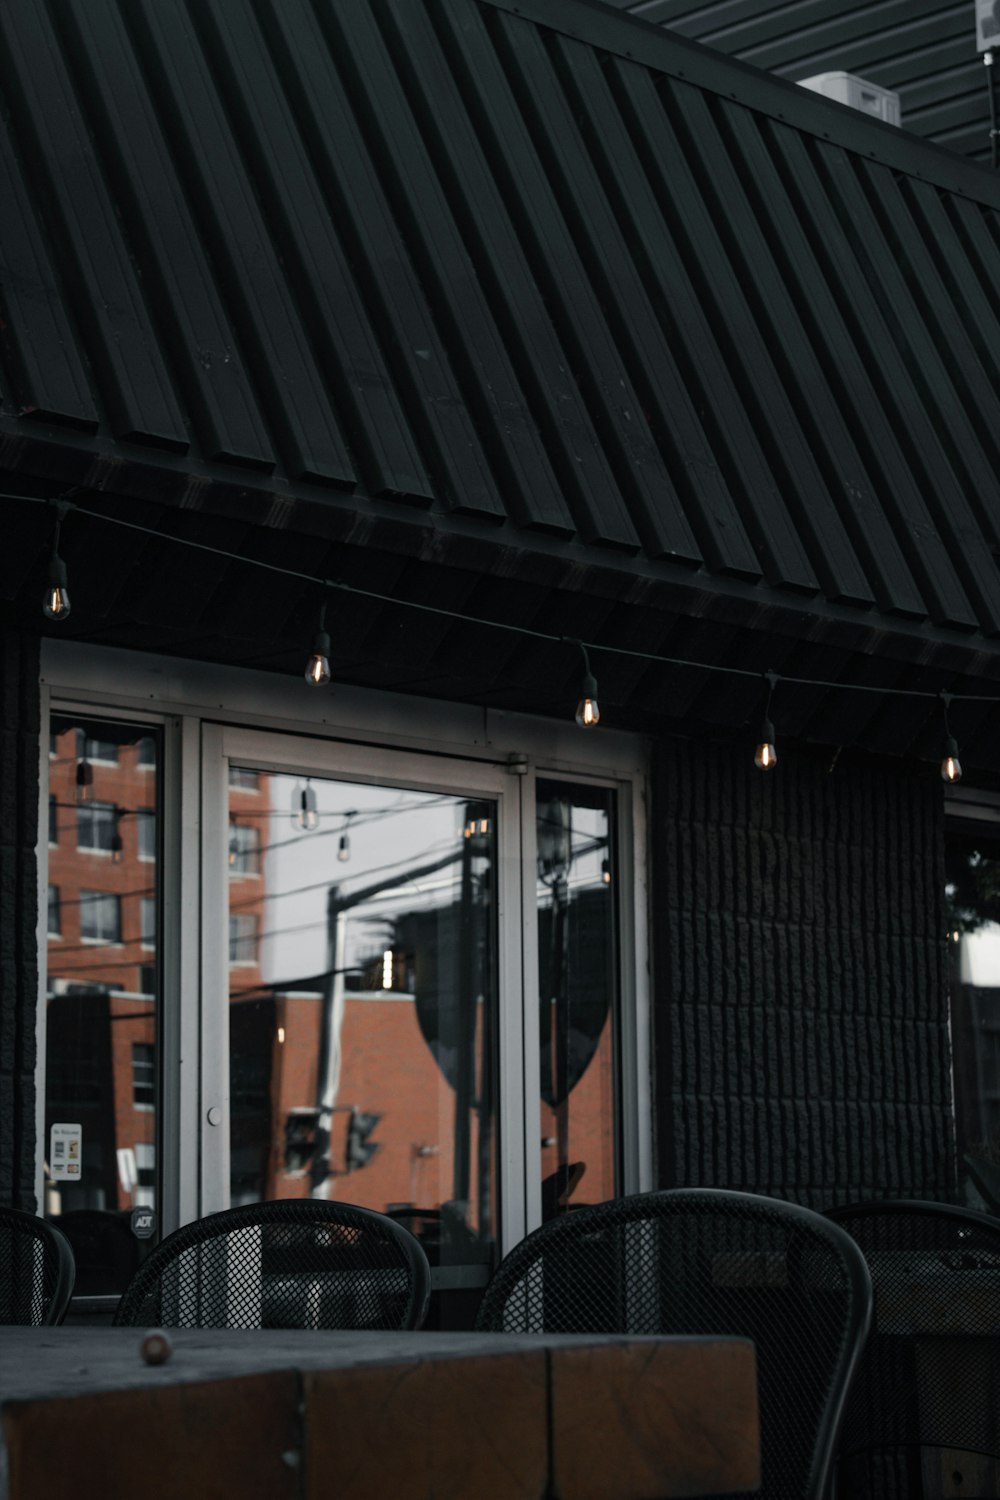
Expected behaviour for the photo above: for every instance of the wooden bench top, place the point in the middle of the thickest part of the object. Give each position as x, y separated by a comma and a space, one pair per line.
288, 1415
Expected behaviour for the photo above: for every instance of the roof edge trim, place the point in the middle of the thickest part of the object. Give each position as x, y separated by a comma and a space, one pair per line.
694, 62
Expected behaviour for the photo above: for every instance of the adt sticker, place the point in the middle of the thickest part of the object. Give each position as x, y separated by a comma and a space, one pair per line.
143, 1223
66, 1153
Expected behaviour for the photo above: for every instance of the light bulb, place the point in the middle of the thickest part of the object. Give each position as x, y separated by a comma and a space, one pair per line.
116, 848
606, 871
318, 668
317, 672
766, 756
55, 605
55, 601
951, 767
344, 848
588, 712
84, 780
304, 813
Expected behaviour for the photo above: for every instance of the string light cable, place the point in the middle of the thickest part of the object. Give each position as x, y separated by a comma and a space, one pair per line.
334, 585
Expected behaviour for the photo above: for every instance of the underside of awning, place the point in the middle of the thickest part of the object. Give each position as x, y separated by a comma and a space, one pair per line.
531, 313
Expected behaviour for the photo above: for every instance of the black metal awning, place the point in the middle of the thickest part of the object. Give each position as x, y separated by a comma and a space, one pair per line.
533, 308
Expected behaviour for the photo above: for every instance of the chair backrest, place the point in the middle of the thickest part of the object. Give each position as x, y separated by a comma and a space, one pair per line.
930, 1373
707, 1261
36, 1270
290, 1263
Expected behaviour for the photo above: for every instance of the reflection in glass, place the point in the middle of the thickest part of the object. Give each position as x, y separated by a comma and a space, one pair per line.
101, 1065
362, 1018
972, 896
577, 987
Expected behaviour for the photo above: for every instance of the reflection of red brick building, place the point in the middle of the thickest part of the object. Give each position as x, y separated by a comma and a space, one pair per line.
102, 975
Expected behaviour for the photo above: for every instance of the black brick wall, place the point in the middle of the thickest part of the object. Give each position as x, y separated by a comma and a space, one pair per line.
801, 995
19, 726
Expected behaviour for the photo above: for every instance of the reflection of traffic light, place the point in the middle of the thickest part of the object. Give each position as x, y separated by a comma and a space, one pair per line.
360, 1149
300, 1138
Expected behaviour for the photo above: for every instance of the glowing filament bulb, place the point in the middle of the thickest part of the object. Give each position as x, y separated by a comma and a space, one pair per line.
55, 604
55, 600
588, 712
951, 766
317, 672
344, 848
766, 757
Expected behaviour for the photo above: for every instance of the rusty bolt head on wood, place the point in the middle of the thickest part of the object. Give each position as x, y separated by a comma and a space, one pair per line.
156, 1347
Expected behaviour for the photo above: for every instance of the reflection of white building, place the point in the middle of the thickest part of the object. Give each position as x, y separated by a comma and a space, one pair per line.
979, 962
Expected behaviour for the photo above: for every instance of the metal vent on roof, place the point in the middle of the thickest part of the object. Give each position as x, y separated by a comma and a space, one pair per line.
847, 88
987, 24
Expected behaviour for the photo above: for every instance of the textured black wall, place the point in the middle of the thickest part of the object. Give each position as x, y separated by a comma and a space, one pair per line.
801, 1004
19, 725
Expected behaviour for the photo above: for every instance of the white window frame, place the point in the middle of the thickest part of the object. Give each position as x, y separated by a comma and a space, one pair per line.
210, 715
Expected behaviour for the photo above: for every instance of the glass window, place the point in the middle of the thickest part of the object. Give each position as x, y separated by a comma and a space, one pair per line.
243, 938
145, 822
972, 895
53, 821
577, 988
101, 1056
96, 826
244, 849
55, 927
244, 778
362, 1049
147, 921
143, 1075
100, 917
93, 747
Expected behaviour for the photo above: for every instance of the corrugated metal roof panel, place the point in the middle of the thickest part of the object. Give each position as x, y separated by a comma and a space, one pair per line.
925, 50
535, 274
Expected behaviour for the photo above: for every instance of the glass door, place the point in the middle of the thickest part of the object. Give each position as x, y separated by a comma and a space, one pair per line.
356, 951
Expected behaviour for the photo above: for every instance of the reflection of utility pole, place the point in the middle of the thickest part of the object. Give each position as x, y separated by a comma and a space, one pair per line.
330, 1053
328, 1073
555, 858
465, 1062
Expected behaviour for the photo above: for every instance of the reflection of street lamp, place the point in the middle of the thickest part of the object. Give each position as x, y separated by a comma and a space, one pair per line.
555, 856
304, 812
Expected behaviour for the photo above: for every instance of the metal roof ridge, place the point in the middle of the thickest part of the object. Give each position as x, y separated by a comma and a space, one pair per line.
666, 51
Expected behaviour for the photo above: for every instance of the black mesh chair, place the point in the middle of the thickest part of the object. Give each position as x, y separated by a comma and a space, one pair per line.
36, 1270
929, 1380
704, 1261
292, 1263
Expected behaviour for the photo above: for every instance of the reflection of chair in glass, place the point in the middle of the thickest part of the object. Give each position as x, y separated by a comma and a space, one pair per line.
290, 1263
106, 1251
36, 1270
705, 1261
926, 1398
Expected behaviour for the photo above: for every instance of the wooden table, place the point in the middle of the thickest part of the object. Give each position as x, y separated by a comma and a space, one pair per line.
269, 1415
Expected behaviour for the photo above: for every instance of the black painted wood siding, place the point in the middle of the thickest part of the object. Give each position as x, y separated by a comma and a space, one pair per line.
925, 50
538, 274
19, 750
802, 1000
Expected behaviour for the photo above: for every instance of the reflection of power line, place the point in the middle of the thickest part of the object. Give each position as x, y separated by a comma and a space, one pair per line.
323, 885
367, 894
352, 821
